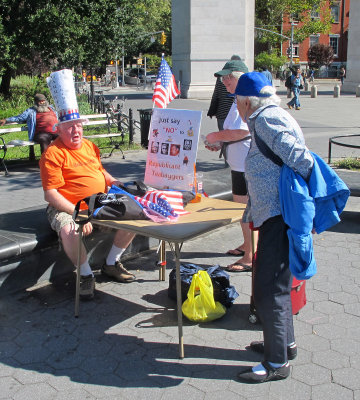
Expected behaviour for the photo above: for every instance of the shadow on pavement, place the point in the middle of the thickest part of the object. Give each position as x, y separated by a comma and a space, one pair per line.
42, 335
350, 223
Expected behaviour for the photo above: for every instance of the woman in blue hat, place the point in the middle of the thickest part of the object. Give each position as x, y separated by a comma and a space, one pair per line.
276, 139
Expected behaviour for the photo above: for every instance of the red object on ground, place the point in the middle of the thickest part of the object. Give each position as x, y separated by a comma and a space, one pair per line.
298, 295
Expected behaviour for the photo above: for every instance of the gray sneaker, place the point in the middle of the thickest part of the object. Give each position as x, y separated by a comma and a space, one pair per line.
87, 287
118, 272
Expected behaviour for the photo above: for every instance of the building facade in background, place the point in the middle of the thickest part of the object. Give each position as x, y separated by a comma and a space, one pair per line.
337, 38
205, 34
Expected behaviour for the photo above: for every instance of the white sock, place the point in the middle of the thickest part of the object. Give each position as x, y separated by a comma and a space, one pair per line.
114, 255
85, 269
260, 370
277, 365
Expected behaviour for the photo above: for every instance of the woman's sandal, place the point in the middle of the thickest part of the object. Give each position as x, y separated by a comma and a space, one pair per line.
238, 267
236, 252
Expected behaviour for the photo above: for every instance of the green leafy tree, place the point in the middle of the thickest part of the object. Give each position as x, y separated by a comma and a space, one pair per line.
270, 60
270, 15
72, 34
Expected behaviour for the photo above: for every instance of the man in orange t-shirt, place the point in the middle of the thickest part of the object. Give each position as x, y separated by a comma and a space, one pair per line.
70, 171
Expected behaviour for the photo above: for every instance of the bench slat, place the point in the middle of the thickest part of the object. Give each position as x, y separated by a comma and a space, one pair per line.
3, 131
103, 135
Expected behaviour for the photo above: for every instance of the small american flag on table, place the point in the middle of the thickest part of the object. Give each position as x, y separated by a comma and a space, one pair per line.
167, 204
165, 86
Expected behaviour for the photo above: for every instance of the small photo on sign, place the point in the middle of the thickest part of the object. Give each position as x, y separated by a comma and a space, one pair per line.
187, 144
174, 149
154, 147
165, 148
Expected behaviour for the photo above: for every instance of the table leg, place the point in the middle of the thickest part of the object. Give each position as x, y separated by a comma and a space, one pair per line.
162, 264
77, 289
179, 300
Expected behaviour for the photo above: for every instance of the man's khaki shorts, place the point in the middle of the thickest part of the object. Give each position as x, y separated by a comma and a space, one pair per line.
59, 219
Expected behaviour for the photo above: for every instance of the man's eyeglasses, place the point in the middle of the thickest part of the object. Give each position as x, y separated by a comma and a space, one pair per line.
226, 78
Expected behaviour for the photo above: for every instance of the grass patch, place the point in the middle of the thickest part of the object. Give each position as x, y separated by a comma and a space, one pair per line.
348, 163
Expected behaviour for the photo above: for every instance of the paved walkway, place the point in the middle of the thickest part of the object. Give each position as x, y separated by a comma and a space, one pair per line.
124, 344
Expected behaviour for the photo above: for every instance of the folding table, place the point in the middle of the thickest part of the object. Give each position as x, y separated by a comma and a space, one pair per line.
205, 216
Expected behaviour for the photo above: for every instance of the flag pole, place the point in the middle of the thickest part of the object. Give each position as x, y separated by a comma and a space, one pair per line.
163, 56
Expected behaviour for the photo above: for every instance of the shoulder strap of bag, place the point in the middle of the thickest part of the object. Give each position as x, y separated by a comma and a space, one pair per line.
226, 144
90, 201
264, 148
139, 190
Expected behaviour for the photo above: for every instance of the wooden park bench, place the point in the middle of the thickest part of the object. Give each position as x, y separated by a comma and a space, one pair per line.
101, 119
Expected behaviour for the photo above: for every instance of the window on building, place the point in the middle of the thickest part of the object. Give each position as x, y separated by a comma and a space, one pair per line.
294, 17
335, 12
314, 39
334, 43
315, 14
295, 49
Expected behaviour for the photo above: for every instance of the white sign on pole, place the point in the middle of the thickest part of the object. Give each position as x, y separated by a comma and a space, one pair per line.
173, 143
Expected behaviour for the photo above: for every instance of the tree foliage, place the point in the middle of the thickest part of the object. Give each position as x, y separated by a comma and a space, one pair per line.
68, 33
270, 60
319, 55
269, 14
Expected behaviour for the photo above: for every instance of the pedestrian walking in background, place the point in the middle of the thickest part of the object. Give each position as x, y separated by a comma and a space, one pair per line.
342, 74
296, 86
267, 73
311, 75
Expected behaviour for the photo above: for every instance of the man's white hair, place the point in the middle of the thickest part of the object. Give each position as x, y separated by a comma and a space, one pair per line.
257, 102
236, 74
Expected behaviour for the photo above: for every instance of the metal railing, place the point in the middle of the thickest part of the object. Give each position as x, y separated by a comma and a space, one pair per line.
333, 140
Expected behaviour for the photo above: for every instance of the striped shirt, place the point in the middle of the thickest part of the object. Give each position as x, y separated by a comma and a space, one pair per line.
220, 102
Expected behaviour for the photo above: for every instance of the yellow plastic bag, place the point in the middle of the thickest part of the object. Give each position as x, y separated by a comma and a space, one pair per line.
200, 305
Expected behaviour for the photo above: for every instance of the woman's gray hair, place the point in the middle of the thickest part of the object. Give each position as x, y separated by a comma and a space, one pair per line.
257, 102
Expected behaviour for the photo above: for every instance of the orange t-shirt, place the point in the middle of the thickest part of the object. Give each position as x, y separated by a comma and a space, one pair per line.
74, 173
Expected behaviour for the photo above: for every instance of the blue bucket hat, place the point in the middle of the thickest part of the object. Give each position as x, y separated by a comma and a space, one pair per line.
251, 83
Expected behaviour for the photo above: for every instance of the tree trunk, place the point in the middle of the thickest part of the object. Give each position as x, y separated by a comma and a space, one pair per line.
5, 82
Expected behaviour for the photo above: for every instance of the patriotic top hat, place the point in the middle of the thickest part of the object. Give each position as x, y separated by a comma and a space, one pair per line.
61, 85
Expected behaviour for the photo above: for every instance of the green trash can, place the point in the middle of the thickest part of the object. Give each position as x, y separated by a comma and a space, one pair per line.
145, 119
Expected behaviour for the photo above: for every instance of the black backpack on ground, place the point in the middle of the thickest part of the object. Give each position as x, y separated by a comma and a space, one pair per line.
223, 291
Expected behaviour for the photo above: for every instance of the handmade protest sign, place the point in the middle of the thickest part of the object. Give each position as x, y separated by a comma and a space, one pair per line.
173, 144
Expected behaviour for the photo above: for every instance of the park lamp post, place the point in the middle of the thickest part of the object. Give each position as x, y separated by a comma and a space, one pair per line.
291, 39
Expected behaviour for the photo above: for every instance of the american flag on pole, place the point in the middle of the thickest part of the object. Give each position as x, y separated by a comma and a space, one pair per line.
165, 86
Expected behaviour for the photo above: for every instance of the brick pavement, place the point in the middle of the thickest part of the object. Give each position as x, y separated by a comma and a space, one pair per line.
124, 344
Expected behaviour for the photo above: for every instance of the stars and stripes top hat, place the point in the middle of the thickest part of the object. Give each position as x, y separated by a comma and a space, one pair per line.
62, 89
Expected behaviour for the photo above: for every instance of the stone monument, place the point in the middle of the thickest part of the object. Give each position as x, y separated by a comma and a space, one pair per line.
352, 80
205, 34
